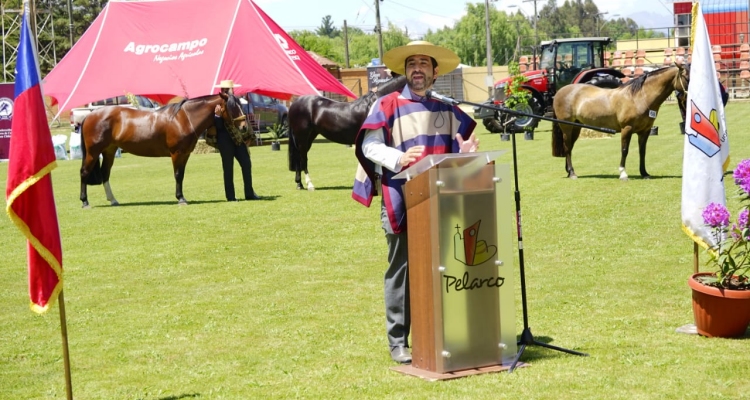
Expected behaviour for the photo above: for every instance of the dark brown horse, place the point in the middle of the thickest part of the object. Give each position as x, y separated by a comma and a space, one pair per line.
171, 131
337, 121
630, 109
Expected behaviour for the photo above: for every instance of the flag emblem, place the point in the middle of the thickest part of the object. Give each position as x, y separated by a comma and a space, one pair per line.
6, 109
705, 131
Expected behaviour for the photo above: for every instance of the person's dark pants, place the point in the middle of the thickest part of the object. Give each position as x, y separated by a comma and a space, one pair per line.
230, 151
397, 312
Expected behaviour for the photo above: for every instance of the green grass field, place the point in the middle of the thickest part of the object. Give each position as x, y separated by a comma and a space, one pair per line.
282, 298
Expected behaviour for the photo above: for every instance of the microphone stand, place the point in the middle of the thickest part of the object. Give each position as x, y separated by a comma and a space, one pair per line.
506, 110
527, 338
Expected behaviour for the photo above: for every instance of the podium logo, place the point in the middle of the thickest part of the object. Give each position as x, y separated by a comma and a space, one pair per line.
469, 249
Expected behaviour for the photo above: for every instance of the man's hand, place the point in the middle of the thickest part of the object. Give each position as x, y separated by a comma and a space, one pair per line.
467, 146
411, 155
217, 110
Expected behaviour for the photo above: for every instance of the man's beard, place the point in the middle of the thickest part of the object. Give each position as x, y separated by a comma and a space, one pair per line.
421, 85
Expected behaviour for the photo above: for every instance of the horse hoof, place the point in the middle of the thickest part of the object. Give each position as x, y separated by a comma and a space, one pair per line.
300, 187
311, 188
624, 178
114, 203
573, 177
86, 206
646, 176
182, 202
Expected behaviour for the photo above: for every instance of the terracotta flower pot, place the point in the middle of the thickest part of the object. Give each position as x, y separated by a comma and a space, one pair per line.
719, 312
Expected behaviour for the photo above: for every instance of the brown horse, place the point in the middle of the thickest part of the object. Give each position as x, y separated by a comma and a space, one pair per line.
171, 131
630, 109
337, 121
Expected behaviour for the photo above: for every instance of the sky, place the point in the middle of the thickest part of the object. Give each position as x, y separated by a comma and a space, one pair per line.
417, 16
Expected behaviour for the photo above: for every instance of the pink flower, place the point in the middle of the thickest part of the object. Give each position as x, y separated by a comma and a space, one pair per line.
742, 175
716, 215
742, 219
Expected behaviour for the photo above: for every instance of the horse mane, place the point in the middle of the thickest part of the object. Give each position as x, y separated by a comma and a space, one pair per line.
232, 101
635, 85
383, 89
174, 108
391, 86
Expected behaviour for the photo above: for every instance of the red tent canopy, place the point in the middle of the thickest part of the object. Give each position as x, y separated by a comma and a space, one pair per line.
162, 49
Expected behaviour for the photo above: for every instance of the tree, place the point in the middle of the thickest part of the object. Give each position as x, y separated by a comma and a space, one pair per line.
468, 36
327, 28
394, 37
363, 47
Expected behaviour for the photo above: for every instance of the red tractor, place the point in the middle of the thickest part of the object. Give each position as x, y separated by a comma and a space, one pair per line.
563, 61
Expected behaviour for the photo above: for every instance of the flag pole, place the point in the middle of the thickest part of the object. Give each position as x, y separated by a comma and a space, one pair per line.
695, 257
66, 355
30, 8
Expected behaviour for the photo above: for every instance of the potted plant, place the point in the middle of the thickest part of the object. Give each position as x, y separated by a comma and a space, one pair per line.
275, 131
721, 299
518, 99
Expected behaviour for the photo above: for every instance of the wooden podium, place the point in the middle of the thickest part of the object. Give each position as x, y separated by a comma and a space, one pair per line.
461, 275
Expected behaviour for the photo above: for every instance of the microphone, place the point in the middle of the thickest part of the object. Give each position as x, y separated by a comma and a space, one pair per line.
431, 94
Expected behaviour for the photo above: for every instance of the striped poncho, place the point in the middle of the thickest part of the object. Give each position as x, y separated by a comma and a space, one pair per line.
406, 120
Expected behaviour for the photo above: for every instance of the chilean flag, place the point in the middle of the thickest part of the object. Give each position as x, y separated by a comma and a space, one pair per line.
706, 154
29, 197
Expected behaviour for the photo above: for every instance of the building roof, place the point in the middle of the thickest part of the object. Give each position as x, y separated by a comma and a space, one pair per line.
322, 60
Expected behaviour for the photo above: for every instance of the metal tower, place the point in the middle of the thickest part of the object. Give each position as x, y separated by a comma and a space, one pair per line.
41, 23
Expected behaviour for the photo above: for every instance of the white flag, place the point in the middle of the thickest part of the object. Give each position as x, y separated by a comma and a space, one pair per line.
706, 154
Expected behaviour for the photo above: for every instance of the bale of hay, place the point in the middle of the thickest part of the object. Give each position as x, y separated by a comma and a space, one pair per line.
202, 148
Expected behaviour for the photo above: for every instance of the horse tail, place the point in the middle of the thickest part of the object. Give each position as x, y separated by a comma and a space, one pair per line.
95, 176
558, 141
293, 152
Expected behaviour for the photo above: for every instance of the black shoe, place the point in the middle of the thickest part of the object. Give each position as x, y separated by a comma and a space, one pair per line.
253, 197
401, 355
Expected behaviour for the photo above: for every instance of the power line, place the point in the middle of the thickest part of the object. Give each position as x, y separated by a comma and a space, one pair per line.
289, 28
422, 11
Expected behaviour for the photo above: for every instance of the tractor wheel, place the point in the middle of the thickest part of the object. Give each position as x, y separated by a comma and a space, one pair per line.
605, 81
523, 123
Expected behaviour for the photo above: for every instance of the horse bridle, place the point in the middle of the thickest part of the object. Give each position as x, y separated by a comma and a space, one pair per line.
683, 84
234, 122
682, 93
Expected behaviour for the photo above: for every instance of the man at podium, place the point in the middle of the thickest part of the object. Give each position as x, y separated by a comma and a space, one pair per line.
402, 128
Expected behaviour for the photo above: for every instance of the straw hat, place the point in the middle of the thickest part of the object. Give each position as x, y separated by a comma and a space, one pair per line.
395, 58
227, 84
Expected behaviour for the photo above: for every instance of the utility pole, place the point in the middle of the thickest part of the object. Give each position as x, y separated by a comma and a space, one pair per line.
379, 29
346, 45
32, 22
70, 21
536, 35
488, 80
597, 19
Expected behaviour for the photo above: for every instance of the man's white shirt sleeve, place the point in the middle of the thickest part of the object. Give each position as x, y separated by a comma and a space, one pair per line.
375, 149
